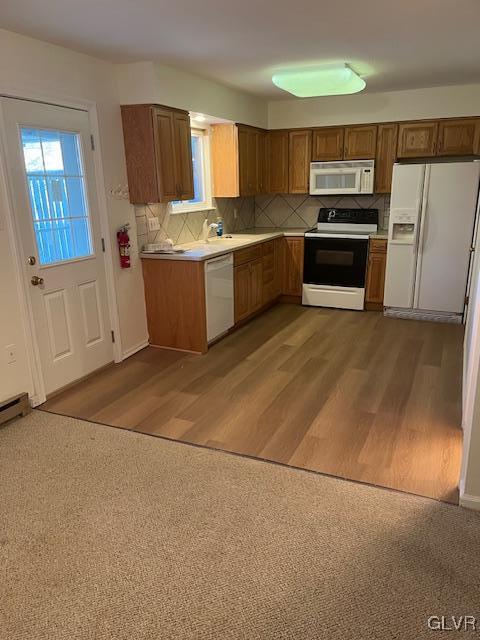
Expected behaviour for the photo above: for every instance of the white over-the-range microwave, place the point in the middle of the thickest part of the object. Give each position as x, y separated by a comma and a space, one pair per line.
354, 176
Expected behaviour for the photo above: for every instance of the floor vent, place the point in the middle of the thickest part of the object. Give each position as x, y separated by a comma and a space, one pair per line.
13, 407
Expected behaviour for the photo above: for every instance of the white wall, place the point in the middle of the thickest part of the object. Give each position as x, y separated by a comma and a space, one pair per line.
153, 82
437, 102
30, 67
470, 474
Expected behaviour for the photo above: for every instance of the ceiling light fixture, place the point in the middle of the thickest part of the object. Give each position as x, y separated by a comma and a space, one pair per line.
326, 80
199, 117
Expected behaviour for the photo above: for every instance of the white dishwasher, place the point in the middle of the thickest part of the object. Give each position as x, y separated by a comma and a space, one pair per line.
219, 295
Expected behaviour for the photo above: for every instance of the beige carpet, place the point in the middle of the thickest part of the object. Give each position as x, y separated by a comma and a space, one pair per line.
106, 533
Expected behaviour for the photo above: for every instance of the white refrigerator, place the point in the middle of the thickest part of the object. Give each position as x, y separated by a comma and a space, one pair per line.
432, 218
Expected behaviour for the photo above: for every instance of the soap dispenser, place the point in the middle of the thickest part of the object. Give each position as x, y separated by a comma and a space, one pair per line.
219, 227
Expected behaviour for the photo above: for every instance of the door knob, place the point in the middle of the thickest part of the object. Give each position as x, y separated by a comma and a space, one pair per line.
31, 260
36, 280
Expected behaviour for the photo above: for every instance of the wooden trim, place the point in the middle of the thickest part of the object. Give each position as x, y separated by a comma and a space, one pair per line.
361, 124
156, 104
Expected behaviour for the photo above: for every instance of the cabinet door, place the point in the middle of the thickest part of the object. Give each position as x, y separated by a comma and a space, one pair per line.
375, 278
252, 163
360, 142
183, 156
417, 139
241, 292
256, 285
268, 271
261, 162
243, 161
299, 154
164, 137
327, 144
279, 246
277, 161
458, 137
293, 267
386, 156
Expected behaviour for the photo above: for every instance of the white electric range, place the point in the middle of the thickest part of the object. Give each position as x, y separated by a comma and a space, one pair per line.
336, 254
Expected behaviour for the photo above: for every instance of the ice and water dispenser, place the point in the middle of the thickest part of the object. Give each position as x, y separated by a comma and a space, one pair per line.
403, 223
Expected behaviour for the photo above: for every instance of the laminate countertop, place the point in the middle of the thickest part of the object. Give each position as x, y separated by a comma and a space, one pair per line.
215, 247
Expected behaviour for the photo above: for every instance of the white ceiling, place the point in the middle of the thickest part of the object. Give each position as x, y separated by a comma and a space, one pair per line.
394, 45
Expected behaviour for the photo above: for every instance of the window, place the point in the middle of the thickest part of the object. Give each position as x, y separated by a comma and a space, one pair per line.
56, 188
201, 176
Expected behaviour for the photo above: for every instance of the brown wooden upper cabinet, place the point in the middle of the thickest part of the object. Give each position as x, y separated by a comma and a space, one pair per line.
248, 160
277, 161
327, 144
417, 139
299, 154
238, 160
158, 153
385, 157
360, 142
458, 137
261, 161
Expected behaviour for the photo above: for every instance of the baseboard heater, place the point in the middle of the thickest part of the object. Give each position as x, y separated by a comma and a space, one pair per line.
13, 407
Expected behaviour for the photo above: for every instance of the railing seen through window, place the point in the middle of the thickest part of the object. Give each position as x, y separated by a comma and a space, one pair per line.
56, 189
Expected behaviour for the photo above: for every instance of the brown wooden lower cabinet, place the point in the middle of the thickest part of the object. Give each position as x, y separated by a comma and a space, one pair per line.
248, 289
377, 262
241, 287
292, 281
175, 290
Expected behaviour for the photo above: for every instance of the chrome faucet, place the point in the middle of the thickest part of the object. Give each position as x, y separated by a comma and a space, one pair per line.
206, 228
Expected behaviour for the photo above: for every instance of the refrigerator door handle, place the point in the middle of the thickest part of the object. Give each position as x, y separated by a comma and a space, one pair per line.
421, 236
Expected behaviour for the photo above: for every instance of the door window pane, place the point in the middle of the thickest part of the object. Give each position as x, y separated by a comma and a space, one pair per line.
56, 188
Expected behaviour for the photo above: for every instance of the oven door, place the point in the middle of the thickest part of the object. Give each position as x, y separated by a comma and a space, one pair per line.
331, 181
335, 261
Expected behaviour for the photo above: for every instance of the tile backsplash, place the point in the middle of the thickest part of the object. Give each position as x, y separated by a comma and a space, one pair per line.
237, 215
301, 211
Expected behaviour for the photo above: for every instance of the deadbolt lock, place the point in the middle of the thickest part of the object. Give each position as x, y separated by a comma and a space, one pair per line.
36, 280
31, 260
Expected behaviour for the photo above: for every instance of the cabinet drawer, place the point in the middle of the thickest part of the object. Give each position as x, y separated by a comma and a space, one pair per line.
268, 247
378, 245
268, 261
247, 255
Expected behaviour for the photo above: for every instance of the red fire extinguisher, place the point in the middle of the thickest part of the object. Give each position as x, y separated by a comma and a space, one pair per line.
124, 246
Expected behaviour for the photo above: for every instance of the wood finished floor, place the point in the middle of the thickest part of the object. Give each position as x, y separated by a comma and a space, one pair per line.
351, 394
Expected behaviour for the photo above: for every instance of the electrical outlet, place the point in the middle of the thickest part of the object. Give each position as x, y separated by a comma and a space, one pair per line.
153, 223
11, 353
235, 212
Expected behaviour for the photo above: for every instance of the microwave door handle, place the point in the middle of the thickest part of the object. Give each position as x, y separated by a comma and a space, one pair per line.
359, 180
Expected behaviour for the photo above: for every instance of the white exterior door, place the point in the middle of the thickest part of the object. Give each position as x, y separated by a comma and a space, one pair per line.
51, 172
